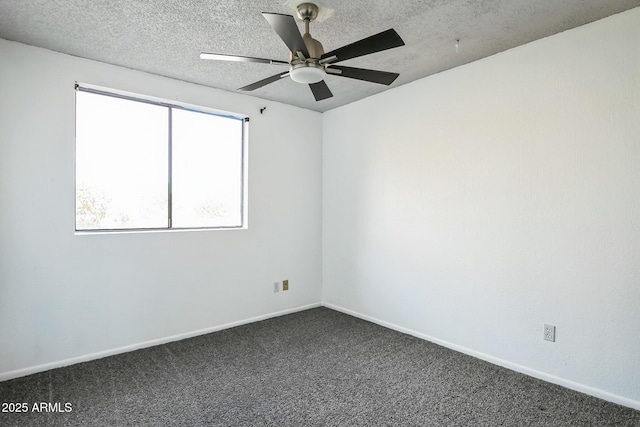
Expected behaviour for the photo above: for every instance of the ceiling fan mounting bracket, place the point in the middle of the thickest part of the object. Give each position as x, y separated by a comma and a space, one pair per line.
307, 11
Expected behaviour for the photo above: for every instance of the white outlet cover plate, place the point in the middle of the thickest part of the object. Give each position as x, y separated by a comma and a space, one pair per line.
550, 333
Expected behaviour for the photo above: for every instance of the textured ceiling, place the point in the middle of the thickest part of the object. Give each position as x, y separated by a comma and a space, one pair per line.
165, 37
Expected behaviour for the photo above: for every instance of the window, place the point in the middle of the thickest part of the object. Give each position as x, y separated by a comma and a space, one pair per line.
147, 164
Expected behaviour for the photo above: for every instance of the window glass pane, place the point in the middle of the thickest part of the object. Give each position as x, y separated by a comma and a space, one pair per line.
121, 163
207, 170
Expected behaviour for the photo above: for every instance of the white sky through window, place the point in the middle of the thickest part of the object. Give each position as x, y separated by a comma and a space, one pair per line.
122, 166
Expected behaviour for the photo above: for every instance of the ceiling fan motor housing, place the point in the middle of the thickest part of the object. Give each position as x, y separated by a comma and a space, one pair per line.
308, 70
313, 46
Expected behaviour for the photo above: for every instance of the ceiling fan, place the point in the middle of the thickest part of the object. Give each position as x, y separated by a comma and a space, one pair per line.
308, 63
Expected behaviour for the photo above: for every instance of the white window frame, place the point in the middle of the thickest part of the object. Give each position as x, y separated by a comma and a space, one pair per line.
134, 97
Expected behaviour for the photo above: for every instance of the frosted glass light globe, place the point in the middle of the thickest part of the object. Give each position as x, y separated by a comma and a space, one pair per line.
307, 75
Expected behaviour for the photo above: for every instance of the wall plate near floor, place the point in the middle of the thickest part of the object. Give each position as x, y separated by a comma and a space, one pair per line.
276, 287
285, 285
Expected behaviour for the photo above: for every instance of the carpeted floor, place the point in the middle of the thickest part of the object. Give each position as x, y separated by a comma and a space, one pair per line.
313, 368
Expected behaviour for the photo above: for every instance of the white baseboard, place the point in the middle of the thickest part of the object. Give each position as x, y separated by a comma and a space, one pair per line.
99, 355
604, 395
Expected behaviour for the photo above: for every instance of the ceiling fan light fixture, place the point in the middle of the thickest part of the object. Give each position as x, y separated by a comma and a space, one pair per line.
307, 75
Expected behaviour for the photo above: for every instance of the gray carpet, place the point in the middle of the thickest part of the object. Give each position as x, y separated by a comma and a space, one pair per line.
313, 368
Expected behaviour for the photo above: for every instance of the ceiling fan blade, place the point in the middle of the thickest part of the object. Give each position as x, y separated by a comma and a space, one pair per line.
287, 29
320, 90
376, 43
375, 76
222, 57
264, 82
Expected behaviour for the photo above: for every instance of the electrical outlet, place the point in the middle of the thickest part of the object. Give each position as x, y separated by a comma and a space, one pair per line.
276, 287
550, 333
285, 285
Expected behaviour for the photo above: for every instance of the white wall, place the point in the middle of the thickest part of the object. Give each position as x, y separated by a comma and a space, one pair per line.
66, 296
473, 206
